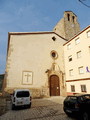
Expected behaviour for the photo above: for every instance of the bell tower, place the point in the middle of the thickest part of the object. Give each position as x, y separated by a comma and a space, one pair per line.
68, 26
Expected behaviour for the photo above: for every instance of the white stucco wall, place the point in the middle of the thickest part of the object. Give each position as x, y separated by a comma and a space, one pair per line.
84, 61
78, 86
31, 52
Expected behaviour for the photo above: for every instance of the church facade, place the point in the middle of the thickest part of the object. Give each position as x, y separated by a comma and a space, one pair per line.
35, 60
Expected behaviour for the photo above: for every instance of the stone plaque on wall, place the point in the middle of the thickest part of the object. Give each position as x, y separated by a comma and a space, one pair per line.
27, 77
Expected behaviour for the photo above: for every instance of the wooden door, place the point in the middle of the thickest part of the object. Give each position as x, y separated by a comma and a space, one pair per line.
54, 85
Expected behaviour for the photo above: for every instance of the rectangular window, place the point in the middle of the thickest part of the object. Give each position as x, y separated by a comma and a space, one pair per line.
72, 88
70, 58
88, 34
89, 49
77, 41
83, 88
71, 72
79, 54
81, 71
68, 46
21, 94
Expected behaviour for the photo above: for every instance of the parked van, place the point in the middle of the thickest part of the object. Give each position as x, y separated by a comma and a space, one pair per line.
21, 97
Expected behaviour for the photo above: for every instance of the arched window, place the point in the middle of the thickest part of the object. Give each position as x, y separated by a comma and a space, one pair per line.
73, 18
68, 16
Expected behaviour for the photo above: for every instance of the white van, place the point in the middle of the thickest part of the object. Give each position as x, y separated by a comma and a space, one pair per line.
21, 97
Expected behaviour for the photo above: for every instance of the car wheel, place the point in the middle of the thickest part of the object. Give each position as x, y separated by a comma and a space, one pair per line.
85, 116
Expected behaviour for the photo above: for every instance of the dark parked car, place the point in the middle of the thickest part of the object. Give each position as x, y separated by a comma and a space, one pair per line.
78, 105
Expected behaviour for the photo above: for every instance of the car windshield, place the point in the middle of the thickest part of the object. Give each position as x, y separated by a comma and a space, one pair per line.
86, 97
22, 94
72, 98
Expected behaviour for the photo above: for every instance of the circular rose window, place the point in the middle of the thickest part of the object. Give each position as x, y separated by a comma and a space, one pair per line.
54, 54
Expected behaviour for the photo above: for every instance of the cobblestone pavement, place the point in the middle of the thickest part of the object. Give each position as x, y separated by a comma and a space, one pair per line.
41, 109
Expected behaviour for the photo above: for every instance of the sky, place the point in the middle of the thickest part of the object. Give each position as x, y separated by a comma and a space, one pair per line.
35, 15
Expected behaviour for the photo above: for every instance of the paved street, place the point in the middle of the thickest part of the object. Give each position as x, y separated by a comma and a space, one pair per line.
41, 109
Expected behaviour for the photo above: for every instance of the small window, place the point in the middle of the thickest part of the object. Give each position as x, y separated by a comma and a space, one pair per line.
73, 18
83, 88
77, 41
68, 46
70, 58
53, 38
71, 72
88, 34
89, 49
68, 16
54, 54
72, 88
79, 54
81, 71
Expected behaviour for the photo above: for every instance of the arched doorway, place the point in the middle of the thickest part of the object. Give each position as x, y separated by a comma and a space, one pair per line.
54, 85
